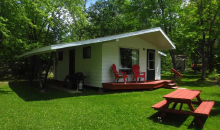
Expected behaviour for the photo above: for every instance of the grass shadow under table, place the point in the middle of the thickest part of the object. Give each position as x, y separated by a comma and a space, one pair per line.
173, 119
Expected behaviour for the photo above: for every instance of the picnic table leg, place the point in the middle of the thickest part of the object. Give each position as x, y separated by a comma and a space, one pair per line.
199, 99
181, 105
198, 121
174, 105
165, 106
162, 115
191, 107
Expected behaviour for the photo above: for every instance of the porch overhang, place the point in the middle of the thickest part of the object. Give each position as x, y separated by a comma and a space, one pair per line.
154, 36
38, 51
161, 53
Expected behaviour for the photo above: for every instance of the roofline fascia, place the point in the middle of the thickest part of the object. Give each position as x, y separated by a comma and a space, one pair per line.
174, 47
161, 53
96, 40
104, 39
36, 51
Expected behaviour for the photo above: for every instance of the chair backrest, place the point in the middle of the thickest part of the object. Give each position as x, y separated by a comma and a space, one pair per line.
135, 68
115, 70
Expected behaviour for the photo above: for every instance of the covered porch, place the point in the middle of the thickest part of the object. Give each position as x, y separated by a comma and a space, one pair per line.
133, 85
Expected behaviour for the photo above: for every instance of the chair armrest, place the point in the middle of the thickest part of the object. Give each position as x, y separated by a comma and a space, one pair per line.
139, 72
143, 73
121, 73
124, 73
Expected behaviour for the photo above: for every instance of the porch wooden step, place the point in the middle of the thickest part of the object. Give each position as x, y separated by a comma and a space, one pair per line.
171, 85
175, 87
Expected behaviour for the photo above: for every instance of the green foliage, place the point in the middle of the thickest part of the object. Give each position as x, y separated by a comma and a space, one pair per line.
107, 18
218, 81
26, 25
166, 62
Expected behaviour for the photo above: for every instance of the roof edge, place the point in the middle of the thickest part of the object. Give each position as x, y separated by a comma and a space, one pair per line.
161, 53
95, 40
174, 47
36, 51
107, 38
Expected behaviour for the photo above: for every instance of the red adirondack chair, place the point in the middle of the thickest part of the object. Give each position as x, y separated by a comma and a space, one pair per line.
137, 73
119, 75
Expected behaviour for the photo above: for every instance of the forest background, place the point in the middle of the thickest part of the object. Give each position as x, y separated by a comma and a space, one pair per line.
192, 25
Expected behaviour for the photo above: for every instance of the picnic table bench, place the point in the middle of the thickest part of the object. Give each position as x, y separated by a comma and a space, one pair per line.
185, 96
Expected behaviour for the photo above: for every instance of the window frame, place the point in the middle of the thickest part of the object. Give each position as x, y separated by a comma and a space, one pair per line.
128, 69
60, 56
84, 53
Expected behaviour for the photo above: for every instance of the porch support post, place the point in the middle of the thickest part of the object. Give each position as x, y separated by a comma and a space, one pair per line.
38, 63
32, 70
28, 69
48, 68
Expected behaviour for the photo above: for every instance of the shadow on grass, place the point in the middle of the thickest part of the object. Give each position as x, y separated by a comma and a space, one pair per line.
194, 125
32, 93
198, 84
172, 119
214, 112
4, 92
216, 109
177, 120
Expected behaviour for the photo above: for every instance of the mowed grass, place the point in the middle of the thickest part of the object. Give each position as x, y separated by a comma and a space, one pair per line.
23, 107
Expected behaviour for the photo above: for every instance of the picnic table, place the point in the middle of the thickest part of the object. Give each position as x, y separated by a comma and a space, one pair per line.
185, 96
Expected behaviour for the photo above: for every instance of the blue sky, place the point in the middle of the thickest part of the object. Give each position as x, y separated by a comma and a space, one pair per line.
90, 2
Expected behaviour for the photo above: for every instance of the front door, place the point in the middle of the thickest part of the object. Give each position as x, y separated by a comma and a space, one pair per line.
150, 64
72, 62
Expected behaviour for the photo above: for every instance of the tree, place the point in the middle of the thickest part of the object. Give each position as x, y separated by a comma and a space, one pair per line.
26, 25
203, 17
107, 18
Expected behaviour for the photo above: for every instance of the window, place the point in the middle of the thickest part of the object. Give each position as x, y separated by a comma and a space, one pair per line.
128, 58
60, 56
87, 52
151, 60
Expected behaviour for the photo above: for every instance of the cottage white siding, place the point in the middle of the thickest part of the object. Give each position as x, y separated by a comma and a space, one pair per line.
158, 68
62, 67
97, 69
111, 54
91, 68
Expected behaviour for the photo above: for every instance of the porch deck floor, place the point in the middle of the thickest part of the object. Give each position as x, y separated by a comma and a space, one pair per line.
134, 85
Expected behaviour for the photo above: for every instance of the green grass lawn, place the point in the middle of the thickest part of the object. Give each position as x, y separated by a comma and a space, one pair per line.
23, 107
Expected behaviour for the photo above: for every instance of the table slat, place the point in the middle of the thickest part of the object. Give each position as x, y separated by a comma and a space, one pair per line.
173, 93
193, 95
183, 94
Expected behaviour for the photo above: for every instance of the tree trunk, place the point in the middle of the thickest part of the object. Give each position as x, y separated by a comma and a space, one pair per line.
195, 63
173, 58
211, 59
203, 58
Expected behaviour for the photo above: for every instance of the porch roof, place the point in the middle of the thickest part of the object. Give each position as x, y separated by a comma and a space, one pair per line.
155, 36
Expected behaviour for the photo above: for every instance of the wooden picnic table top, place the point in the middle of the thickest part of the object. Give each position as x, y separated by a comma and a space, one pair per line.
182, 94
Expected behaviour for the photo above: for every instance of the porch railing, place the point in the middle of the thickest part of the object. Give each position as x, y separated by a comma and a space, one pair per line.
176, 73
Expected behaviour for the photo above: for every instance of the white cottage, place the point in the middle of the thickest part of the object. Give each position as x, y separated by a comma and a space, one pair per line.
95, 57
